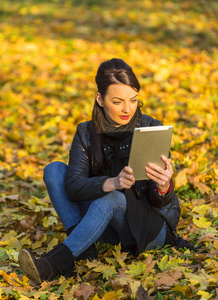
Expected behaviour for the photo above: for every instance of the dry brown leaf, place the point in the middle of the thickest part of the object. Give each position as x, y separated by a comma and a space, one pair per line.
201, 186
167, 279
45, 285
150, 263
84, 290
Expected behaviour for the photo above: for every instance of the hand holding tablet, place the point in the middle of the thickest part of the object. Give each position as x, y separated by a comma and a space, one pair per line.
148, 145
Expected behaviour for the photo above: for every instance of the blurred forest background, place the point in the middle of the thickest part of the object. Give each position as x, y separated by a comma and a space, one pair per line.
49, 55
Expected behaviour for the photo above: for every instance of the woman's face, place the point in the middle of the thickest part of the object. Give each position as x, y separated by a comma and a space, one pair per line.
119, 104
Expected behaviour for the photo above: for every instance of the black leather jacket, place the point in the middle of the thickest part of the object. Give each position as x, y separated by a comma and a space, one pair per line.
81, 182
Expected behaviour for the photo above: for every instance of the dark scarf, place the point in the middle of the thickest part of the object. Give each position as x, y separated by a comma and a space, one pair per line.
117, 143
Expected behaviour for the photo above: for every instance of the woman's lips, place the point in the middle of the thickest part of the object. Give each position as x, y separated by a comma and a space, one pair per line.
124, 117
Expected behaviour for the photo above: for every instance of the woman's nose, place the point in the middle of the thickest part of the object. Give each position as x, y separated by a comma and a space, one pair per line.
126, 108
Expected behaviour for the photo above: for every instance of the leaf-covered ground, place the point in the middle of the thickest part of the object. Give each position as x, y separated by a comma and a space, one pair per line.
49, 54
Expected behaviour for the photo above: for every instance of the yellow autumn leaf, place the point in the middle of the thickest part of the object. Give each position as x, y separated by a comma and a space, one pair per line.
165, 264
48, 221
52, 244
202, 222
120, 256
134, 285
181, 178
110, 296
204, 295
106, 270
136, 270
201, 210
11, 242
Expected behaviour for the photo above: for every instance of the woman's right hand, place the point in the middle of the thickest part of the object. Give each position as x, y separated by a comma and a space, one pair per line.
124, 180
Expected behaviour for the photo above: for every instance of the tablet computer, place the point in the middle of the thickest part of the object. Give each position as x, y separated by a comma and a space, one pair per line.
148, 144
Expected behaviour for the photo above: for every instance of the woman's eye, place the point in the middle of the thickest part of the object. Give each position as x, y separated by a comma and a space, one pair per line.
116, 102
134, 100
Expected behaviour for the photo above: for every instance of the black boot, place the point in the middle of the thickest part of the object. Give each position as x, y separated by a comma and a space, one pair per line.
58, 261
90, 253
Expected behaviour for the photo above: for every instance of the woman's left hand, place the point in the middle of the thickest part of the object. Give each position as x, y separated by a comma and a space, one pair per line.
160, 176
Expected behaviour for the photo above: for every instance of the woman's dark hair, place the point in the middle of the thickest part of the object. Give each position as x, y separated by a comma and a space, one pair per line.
113, 71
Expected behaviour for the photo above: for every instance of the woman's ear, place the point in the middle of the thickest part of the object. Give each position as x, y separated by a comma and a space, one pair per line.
99, 99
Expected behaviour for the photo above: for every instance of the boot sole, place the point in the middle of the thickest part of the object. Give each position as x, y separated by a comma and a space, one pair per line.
26, 262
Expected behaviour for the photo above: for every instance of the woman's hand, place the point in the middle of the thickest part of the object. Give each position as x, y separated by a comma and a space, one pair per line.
124, 180
160, 176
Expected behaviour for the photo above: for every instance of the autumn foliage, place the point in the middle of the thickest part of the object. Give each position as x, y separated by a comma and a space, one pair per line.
49, 54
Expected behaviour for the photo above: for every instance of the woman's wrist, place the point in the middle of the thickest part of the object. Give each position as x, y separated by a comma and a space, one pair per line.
109, 185
163, 190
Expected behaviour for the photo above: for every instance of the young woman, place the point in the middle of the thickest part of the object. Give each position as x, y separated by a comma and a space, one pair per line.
96, 195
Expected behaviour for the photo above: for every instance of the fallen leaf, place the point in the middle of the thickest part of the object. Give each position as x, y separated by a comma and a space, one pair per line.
84, 290
167, 279
181, 178
165, 264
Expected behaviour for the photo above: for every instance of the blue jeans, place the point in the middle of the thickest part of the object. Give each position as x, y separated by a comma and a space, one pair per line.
103, 218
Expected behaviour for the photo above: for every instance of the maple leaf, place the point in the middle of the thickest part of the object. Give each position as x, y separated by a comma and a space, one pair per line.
106, 270
53, 243
84, 290
120, 256
113, 295
39, 243
167, 279
48, 221
204, 295
201, 210
121, 279
150, 262
111, 261
186, 290
136, 270
202, 222
11, 240
166, 264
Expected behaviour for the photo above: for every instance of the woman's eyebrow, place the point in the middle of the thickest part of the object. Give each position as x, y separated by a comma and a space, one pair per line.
123, 99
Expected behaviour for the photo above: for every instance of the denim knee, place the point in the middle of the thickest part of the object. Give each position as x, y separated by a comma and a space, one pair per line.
54, 170
116, 198
110, 202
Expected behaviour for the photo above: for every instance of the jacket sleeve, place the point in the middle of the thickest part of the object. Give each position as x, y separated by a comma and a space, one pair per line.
146, 192
78, 182
155, 199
